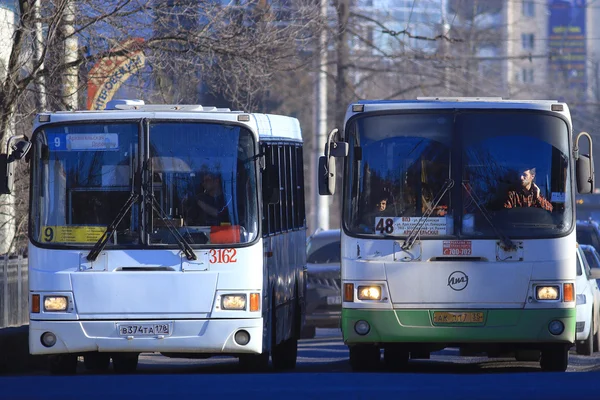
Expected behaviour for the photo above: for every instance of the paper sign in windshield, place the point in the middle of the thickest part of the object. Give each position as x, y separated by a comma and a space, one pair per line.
402, 226
92, 141
72, 234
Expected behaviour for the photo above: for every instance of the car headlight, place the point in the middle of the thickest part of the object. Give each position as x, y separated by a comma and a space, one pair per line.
547, 292
369, 292
233, 302
55, 303
580, 299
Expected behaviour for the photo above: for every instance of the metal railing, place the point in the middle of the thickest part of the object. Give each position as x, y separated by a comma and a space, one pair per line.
14, 286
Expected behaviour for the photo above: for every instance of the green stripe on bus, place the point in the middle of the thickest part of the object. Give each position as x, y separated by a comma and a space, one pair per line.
503, 325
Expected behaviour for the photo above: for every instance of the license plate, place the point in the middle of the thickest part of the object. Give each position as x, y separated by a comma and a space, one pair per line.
331, 300
152, 329
471, 317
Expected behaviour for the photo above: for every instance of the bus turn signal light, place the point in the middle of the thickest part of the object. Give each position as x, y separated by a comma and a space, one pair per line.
254, 301
348, 291
35, 303
568, 292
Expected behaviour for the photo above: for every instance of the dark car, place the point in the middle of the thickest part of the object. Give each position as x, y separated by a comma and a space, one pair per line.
323, 289
588, 232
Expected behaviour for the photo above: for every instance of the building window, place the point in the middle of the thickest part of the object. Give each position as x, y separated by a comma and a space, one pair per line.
528, 8
528, 40
527, 75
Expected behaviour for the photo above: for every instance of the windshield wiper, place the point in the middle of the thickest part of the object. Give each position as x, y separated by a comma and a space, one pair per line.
183, 244
508, 244
112, 227
414, 233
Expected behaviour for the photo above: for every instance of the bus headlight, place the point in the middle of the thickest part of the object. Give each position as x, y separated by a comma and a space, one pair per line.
55, 303
547, 292
369, 292
233, 302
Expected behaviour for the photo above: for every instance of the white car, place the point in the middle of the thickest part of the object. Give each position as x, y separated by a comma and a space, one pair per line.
587, 337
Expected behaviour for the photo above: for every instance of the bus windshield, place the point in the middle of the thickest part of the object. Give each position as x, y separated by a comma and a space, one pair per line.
468, 174
83, 174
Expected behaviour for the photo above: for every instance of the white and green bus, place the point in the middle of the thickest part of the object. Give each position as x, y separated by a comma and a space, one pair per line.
458, 228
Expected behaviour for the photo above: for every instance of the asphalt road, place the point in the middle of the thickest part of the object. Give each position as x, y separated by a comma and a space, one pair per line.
322, 372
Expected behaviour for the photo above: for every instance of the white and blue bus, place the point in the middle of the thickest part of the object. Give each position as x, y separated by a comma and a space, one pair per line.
458, 228
177, 229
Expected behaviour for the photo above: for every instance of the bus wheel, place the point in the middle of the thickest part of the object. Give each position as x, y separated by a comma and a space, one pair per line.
285, 354
254, 362
125, 363
98, 362
555, 359
364, 357
395, 359
308, 332
63, 364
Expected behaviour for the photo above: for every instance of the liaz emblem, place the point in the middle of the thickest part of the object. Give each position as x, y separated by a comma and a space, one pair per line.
458, 280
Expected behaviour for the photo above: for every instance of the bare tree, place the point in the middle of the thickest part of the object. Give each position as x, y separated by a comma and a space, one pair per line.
232, 49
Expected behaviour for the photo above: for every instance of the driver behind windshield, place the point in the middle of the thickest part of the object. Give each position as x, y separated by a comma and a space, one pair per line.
526, 193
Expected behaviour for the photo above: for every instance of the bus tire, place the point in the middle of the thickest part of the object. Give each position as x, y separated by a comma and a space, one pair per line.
254, 362
62, 364
395, 359
98, 362
125, 363
364, 358
308, 332
285, 354
555, 358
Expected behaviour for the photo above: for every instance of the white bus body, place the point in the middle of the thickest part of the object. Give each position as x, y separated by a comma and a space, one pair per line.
175, 276
452, 259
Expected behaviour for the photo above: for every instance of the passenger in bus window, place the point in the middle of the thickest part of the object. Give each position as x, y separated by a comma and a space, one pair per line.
427, 201
381, 206
212, 201
527, 193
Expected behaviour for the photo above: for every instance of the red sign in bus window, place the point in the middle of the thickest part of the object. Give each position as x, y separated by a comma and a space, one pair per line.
457, 247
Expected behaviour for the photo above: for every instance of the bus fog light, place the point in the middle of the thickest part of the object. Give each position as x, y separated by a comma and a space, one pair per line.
556, 327
369, 292
362, 327
48, 339
242, 338
233, 302
547, 292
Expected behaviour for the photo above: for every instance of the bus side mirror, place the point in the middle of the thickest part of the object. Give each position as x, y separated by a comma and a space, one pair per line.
7, 175
271, 186
338, 149
584, 166
7, 162
326, 173
585, 174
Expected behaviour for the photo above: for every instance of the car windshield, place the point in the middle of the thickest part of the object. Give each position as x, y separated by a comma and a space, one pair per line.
587, 235
323, 250
591, 257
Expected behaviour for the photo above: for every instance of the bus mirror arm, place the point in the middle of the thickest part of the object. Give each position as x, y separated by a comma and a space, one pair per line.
333, 148
14, 152
584, 166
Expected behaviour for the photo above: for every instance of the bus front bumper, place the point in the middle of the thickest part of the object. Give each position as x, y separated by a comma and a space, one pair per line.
498, 326
186, 336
